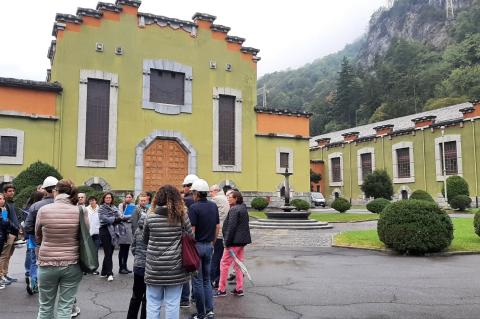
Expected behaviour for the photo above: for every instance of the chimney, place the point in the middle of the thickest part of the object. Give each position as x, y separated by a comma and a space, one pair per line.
322, 142
350, 136
424, 121
471, 112
383, 130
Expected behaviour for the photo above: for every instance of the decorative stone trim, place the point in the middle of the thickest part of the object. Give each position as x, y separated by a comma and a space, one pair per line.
167, 65
204, 17
216, 167
81, 12
31, 116
149, 19
64, 18
105, 6
100, 181
330, 173
234, 39
20, 135
277, 159
228, 182
396, 179
82, 118
219, 28
171, 135
29, 84
365, 150
438, 159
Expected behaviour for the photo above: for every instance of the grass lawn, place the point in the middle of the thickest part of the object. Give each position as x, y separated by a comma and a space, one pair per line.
329, 217
466, 211
465, 238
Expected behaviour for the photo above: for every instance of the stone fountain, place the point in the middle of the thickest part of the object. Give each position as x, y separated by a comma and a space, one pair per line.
287, 218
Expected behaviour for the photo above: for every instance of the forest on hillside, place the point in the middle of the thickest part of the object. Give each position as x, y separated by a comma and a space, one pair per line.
411, 76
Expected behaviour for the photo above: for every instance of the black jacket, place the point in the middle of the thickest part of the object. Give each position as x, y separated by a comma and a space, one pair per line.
29, 225
7, 226
236, 228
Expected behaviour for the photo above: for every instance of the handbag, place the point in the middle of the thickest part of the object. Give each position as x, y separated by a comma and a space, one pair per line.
88, 258
190, 257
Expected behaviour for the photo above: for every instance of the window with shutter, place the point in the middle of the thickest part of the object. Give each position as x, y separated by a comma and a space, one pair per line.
97, 120
8, 146
366, 162
336, 170
284, 157
226, 130
451, 163
167, 87
403, 162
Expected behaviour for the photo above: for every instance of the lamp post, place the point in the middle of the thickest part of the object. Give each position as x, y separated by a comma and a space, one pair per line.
444, 173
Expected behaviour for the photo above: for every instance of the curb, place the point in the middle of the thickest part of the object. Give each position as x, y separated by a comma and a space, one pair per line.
355, 221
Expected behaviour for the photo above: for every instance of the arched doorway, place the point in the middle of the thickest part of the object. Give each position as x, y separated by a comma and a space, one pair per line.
165, 161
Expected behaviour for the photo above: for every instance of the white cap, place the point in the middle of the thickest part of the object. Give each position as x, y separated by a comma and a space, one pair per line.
49, 182
189, 179
200, 185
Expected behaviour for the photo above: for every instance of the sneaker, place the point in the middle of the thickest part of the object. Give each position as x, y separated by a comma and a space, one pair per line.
236, 292
196, 316
11, 279
4, 281
110, 278
184, 304
103, 276
219, 293
29, 288
19, 242
75, 311
123, 272
96, 273
2, 286
210, 314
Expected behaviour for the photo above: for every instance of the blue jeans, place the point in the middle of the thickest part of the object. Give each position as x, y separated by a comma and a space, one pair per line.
186, 292
33, 265
169, 296
202, 287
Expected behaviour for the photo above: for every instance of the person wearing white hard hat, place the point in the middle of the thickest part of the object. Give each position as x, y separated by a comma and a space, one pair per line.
205, 222
188, 200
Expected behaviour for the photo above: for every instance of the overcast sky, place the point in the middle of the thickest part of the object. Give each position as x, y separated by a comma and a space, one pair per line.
288, 33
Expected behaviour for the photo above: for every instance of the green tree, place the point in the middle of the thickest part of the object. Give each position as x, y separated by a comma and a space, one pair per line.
348, 94
378, 185
34, 175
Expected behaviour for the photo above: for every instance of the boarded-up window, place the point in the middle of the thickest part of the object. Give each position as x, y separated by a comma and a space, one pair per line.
336, 170
451, 164
97, 121
167, 87
8, 146
284, 157
366, 162
226, 130
403, 162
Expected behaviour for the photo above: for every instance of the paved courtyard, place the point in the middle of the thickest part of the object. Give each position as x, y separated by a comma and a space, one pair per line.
309, 281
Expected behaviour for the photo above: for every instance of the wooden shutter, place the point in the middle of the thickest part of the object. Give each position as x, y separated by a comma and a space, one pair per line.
366, 162
8, 146
284, 157
97, 121
403, 162
167, 87
336, 170
226, 130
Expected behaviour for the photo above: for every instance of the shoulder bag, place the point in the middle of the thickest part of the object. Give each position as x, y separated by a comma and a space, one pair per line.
190, 257
88, 258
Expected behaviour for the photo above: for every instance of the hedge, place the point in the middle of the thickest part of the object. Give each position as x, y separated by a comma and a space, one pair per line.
341, 205
377, 205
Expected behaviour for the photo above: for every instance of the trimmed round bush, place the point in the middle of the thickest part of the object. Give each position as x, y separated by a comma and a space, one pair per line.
378, 184
259, 203
476, 222
460, 202
22, 197
300, 204
456, 185
34, 175
415, 227
377, 205
341, 205
422, 195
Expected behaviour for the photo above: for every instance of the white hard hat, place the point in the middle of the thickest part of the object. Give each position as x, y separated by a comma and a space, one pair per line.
49, 182
200, 185
189, 179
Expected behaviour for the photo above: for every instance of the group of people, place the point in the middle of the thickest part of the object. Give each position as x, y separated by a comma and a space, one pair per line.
152, 229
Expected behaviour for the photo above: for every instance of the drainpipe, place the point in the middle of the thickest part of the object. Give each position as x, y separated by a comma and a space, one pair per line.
424, 162
475, 161
350, 170
383, 152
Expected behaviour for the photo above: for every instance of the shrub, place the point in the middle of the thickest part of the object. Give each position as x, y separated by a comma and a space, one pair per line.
300, 204
377, 205
22, 197
422, 195
415, 226
378, 185
456, 185
34, 175
259, 203
341, 205
476, 222
460, 202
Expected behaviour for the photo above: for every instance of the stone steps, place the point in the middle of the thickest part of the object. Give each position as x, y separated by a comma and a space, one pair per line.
289, 224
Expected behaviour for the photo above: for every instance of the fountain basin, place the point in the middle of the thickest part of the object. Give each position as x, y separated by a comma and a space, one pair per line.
288, 215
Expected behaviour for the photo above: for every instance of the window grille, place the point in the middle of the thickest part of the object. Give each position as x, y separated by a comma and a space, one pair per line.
403, 162
97, 121
167, 87
284, 158
451, 164
226, 130
366, 162
8, 146
336, 170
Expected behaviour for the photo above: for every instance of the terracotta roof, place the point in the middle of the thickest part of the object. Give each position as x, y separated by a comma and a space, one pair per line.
28, 84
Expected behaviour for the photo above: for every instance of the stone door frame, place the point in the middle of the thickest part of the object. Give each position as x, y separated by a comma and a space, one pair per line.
162, 134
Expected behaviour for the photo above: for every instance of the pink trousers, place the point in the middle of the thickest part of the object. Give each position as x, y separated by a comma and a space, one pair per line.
225, 263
